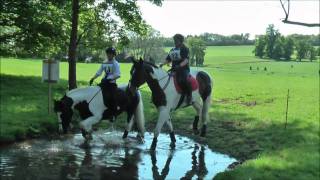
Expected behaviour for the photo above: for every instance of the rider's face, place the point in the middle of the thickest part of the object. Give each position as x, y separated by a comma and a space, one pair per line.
177, 43
110, 56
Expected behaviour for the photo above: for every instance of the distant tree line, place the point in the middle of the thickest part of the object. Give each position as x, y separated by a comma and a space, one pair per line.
211, 39
276, 46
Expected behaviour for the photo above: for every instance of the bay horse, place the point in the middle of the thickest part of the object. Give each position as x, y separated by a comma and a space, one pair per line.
89, 102
167, 98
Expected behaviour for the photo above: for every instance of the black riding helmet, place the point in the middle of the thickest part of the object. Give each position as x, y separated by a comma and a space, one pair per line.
178, 37
111, 50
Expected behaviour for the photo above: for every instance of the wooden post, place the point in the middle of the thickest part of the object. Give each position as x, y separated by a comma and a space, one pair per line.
285, 126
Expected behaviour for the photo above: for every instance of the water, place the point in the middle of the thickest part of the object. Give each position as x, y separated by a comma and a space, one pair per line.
109, 157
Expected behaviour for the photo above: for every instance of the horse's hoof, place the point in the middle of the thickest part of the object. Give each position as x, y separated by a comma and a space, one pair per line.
140, 138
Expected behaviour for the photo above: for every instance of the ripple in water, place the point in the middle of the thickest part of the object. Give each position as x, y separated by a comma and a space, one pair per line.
108, 156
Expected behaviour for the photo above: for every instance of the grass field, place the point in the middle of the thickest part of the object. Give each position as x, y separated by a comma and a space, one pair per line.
247, 114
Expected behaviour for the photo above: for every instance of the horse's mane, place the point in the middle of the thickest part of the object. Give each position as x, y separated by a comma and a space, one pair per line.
151, 64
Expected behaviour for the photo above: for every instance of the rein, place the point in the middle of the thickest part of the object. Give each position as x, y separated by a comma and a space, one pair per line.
164, 87
94, 96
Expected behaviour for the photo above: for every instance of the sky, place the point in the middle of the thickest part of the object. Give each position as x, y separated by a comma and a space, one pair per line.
228, 17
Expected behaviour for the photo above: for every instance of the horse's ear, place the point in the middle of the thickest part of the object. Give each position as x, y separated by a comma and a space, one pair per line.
140, 60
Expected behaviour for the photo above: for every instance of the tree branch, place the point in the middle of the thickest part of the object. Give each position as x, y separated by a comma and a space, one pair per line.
301, 23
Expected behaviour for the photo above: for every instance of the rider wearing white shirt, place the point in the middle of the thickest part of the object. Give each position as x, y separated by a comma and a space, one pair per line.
112, 72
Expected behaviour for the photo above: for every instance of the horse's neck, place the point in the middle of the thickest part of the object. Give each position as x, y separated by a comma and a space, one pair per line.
82, 94
161, 76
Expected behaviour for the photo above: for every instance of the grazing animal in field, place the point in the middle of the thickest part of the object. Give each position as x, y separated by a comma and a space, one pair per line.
167, 97
89, 102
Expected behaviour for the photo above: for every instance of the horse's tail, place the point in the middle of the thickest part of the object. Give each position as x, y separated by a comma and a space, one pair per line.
139, 115
205, 90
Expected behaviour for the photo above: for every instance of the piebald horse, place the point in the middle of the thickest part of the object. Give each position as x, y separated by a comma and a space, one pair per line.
89, 102
166, 97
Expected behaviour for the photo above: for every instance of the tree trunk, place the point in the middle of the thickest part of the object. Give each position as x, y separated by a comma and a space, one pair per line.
73, 45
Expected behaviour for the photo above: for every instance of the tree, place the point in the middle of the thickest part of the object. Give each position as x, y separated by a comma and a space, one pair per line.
260, 46
271, 37
33, 28
197, 49
278, 48
149, 46
312, 53
302, 48
73, 45
127, 11
288, 48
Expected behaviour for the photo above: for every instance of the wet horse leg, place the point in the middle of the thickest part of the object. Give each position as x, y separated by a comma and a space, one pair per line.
172, 136
163, 117
129, 126
86, 126
198, 107
205, 116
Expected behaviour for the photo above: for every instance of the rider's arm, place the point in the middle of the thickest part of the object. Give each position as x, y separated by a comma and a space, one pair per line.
98, 73
184, 56
167, 61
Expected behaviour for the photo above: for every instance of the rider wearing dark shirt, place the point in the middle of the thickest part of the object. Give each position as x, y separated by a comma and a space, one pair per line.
179, 57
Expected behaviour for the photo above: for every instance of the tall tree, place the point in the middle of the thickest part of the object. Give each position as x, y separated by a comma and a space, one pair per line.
271, 36
73, 45
288, 48
260, 46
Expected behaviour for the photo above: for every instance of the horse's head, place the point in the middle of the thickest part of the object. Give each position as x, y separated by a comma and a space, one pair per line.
138, 75
63, 108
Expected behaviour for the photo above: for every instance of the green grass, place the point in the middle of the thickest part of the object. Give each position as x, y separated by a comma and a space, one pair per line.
247, 113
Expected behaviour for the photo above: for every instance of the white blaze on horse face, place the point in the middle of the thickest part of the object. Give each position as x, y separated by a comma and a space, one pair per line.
59, 121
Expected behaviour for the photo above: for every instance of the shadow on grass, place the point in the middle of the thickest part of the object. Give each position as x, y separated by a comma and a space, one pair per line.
24, 107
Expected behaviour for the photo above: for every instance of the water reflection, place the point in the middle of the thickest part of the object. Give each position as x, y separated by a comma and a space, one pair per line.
129, 159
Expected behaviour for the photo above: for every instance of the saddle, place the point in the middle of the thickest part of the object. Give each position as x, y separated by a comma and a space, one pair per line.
190, 79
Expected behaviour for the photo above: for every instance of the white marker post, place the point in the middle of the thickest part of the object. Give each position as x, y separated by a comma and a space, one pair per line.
50, 74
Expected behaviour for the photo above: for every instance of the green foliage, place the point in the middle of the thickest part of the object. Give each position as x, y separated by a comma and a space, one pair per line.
275, 46
302, 49
312, 53
278, 48
42, 28
288, 48
149, 47
221, 40
197, 49
271, 38
260, 46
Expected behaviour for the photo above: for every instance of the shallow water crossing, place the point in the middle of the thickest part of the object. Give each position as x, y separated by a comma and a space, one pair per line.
107, 156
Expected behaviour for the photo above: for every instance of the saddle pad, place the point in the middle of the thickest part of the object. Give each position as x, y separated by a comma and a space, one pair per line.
190, 79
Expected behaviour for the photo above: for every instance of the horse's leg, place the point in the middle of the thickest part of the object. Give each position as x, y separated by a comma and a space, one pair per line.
139, 119
198, 107
172, 136
163, 117
129, 126
86, 125
205, 116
